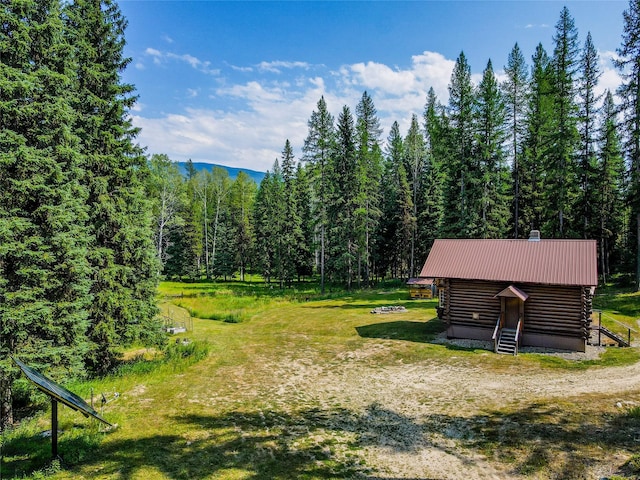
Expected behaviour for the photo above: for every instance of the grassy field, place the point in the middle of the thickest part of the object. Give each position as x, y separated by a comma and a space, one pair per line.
315, 387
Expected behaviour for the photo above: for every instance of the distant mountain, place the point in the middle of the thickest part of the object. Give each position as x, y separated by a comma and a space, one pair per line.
233, 172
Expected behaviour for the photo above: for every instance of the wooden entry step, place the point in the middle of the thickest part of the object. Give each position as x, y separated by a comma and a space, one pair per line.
507, 344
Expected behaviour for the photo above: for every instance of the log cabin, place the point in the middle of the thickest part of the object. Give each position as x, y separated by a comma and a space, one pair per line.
515, 292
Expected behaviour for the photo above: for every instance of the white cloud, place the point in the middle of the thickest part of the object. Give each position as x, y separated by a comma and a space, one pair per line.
533, 25
610, 79
278, 66
160, 57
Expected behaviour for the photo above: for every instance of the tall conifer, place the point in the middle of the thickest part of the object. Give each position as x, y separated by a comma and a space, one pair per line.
318, 148
44, 274
588, 111
490, 134
515, 89
628, 63
123, 258
561, 159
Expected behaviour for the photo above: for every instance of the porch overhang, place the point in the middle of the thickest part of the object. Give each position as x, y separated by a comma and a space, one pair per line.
512, 292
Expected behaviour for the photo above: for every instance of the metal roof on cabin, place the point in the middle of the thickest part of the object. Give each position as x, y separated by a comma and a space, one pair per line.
552, 262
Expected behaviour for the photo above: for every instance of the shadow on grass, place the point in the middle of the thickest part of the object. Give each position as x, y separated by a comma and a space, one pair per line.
264, 445
423, 332
542, 439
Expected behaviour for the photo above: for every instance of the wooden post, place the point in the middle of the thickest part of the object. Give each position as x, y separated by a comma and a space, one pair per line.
54, 428
599, 325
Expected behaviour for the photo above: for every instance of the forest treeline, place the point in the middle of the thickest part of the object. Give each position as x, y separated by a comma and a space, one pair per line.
543, 150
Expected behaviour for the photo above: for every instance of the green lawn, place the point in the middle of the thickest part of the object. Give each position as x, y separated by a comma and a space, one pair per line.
250, 408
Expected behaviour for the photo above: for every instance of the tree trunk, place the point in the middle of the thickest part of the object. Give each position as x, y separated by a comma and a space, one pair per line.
6, 409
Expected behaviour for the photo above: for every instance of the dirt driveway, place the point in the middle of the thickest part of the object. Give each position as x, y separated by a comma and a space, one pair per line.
422, 421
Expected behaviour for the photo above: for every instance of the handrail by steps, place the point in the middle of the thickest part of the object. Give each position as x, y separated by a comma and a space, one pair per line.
518, 334
518, 329
495, 330
495, 334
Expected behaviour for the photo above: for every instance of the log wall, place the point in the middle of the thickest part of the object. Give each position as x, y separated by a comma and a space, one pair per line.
551, 313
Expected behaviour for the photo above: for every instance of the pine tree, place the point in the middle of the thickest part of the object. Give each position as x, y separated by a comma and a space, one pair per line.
219, 188
415, 165
629, 65
123, 257
515, 89
304, 254
242, 197
342, 200
44, 273
610, 172
562, 188
262, 220
588, 104
531, 174
397, 224
430, 209
291, 233
369, 173
461, 212
318, 147
490, 133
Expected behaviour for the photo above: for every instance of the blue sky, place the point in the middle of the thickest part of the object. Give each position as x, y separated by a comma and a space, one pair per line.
229, 82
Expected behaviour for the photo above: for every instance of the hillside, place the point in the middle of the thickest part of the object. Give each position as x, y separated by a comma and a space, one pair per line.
233, 172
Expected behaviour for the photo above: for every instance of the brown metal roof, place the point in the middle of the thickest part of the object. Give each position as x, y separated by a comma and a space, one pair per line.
553, 262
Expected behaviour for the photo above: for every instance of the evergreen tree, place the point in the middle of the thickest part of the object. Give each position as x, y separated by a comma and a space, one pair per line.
304, 254
268, 220
588, 104
562, 188
531, 174
242, 197
515, 89
44, 273
342, 201
219, 188
461, 212
490, 115
318, 147
430, 210
629, 65
610, 194
397, 224
123, 257
291, 233
369, 173
415, 165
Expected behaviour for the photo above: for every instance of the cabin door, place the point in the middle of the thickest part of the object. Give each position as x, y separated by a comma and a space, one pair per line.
511, 312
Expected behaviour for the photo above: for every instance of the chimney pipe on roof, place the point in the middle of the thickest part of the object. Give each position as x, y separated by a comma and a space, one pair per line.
534, 236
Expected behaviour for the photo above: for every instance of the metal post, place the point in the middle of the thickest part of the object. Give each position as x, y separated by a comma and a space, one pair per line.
54, 428
629, 337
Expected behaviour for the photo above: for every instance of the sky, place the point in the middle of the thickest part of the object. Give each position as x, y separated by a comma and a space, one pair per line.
230, 82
